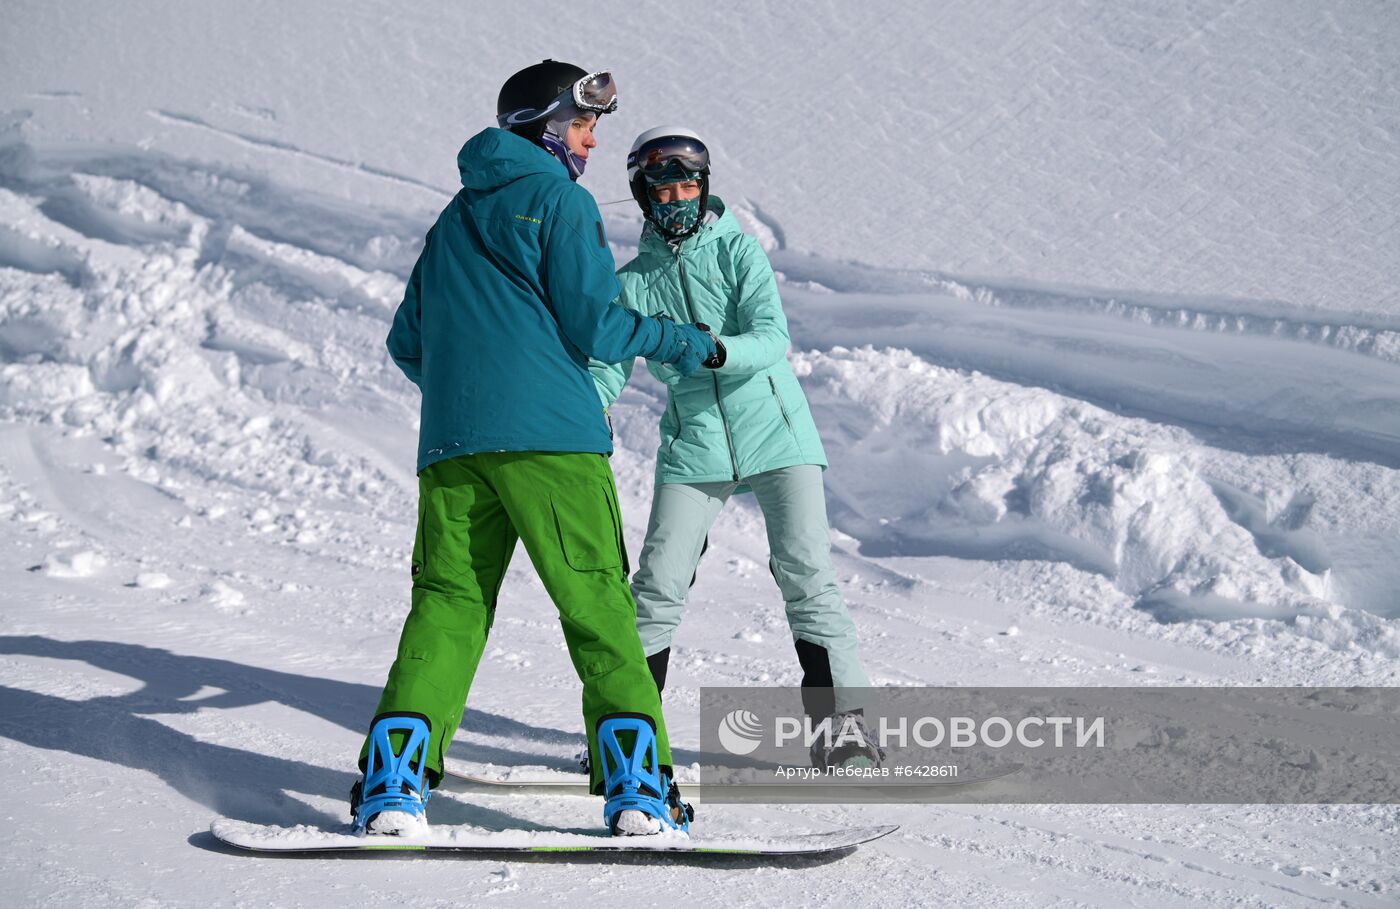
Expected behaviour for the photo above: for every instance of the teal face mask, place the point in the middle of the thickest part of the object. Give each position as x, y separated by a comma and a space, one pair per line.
676, 218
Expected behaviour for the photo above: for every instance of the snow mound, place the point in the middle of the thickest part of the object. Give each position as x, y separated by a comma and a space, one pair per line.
932, 461
152, 580
82, 564
176, 336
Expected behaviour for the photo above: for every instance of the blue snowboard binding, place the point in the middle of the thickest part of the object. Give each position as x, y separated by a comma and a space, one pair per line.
393, 782
633, 779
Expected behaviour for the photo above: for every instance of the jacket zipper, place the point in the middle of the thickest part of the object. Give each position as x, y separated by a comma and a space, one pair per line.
723, 421
781, 409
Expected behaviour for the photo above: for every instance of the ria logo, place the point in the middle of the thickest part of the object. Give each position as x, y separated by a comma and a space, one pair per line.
740, 732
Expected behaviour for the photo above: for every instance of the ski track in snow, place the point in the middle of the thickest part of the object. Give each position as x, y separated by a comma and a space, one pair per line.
206, 485
285, 148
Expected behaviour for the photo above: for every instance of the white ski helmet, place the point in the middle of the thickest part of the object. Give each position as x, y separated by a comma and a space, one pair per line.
659, 147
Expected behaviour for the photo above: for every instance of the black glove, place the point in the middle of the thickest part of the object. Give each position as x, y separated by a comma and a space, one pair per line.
717, 359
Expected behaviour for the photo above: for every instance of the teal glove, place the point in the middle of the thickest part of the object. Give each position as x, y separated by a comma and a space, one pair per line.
685, 347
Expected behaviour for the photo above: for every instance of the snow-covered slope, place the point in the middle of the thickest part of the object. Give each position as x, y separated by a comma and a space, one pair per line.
1231, 149
206, 486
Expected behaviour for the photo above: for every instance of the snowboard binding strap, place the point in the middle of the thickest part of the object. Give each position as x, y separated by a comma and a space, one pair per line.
632, 777
393, 781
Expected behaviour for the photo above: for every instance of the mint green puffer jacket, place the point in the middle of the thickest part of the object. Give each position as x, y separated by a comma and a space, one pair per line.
749, 416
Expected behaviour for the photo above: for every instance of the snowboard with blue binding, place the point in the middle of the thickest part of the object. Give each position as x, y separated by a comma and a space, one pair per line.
304, 840
633, 780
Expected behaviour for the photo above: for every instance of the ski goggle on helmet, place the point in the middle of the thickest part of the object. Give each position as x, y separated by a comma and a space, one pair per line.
595, 93
663, 149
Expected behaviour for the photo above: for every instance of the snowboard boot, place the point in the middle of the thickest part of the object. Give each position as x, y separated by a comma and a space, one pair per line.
640, 797
850, 745
657, 664
391, 798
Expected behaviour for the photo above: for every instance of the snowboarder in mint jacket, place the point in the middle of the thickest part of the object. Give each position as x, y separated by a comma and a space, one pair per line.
511, 296
743, 424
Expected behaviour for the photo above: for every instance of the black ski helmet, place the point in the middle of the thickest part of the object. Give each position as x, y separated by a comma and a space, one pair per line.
535, 86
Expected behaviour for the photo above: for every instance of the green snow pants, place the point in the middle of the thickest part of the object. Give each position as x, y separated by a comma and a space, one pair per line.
793, 503
471, 510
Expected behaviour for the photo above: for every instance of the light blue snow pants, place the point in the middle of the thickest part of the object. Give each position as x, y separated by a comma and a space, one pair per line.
793, 503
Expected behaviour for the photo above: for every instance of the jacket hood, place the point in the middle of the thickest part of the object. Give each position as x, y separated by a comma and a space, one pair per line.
654, 243
494, 157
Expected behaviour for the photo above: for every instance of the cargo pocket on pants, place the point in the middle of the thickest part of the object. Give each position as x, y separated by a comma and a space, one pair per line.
588, 527
442, 552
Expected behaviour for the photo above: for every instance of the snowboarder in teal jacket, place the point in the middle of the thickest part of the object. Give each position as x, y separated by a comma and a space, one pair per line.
744, 424
511, 296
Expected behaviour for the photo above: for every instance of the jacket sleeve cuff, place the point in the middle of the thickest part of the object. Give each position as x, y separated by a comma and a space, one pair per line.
745, 355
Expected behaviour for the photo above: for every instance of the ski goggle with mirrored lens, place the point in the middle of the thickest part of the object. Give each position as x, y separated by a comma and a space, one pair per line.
595, 93
655, 156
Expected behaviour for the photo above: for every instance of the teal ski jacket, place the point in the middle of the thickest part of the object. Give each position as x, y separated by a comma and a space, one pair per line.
749, 416
511, 296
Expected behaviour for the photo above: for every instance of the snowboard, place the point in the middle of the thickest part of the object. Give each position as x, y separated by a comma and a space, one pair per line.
468, 839
541, 780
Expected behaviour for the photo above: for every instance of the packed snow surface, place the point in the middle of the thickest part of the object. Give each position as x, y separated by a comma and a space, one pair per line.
1095, 305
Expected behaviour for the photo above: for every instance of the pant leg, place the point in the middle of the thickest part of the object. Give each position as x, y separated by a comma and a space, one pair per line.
564, 506
794, 511
681, 516
460, 555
